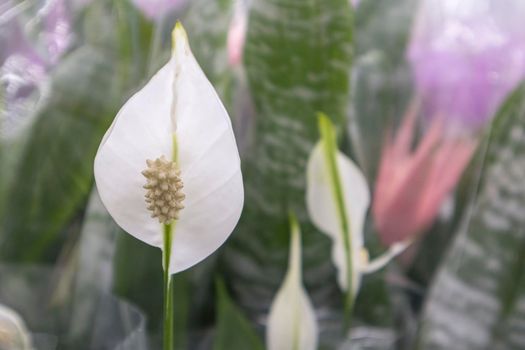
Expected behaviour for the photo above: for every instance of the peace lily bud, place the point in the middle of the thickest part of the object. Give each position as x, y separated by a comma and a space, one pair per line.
168, 169
337, 199
291, 323
13, 332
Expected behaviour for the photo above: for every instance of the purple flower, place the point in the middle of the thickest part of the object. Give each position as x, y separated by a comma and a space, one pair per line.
57, 34
466, 56
24, 64
155, 9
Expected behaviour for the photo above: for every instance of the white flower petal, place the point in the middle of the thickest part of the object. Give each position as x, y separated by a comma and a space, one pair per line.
291, 322
13, 331
381, 261
141, 130
208, 159
324, 210
179, 103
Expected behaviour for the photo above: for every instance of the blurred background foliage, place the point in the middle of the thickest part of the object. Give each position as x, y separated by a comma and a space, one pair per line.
464, 283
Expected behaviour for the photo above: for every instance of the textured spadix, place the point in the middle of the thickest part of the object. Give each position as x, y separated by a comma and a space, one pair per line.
291, 323
177, 115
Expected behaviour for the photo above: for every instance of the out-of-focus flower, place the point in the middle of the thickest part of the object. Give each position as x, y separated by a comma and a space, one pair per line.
24, 65
168, 169
57, 35
156, 9
237, 33
13, 331
337, 199
466, 55
412, 184
291, 322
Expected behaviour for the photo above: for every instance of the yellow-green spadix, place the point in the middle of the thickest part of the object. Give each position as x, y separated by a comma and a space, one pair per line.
170, 162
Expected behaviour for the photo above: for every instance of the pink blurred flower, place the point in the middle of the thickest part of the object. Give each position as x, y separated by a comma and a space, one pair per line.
237, 33
413, 183
156, 9
466, 56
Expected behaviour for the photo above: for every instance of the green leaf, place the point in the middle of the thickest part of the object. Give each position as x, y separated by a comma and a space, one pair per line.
297, 59
93, 275
207, 24
233, 329
54, 175
476, 301
381, 86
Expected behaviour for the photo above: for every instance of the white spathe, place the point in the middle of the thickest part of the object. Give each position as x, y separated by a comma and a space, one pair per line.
322, 208
178, 109
291, 322
13, 331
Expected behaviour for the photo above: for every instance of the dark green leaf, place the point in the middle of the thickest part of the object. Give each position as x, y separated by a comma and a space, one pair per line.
477, 300
55, 172
297, 59
233, 329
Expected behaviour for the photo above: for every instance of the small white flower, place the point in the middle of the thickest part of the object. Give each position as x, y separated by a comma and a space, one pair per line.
13, 331
291, 323
337, 199
168, 168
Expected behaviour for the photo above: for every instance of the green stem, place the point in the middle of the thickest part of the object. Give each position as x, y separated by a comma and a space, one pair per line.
168, 290
328, 137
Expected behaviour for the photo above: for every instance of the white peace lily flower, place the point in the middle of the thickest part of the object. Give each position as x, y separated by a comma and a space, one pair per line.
168, 168
291, 322
337, 199
13, 331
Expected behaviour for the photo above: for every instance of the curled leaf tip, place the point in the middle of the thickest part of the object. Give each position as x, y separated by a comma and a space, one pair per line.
294, 224
323, 121
179, 38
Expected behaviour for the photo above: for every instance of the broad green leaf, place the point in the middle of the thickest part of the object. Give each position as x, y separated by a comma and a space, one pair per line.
54, 175
94, 272
297, 59
234, 331
478, 297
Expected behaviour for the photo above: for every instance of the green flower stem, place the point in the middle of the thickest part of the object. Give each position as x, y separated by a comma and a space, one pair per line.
328, 139
168, 289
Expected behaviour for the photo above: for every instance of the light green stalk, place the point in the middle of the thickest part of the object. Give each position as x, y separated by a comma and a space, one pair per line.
328, 139
168, 279
168, 289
